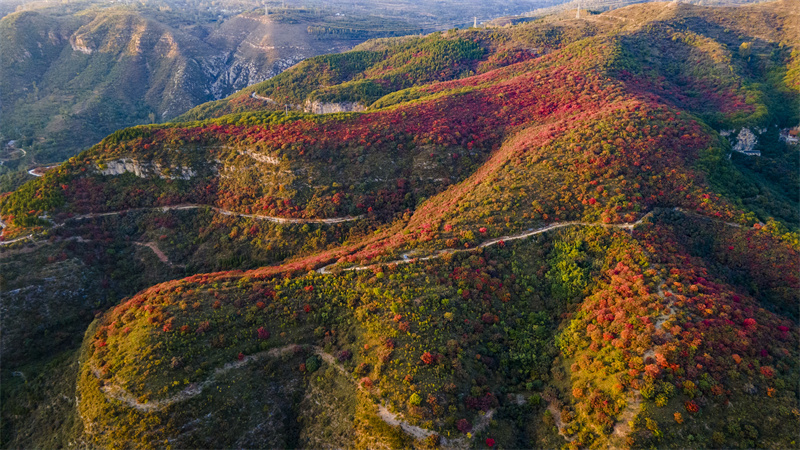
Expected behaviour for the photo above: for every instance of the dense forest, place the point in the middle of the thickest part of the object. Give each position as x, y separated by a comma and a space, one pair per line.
536, 236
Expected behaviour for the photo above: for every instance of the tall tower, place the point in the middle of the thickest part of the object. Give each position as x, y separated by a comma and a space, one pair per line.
578, 16
475, 22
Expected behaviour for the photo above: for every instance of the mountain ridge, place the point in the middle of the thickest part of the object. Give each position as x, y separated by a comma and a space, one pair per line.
557, 249
70, 79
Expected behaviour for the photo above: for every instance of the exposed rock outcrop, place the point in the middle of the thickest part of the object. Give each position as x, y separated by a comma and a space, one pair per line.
260, 158
145, 169
745, 141
79, 45
327, 108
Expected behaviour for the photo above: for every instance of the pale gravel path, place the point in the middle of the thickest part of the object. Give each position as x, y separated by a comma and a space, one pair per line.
559, 423
118, 393
622, 428
12, 241
222, 211
159, 254
405, 258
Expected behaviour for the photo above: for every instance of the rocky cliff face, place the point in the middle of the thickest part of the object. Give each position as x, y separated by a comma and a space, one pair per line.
119, 68
78, 45
745, 141
260, 158
145, 169
255, 48
327, 108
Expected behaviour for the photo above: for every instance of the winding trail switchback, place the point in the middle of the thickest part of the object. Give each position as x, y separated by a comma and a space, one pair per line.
406, 257
224, 212
120, 394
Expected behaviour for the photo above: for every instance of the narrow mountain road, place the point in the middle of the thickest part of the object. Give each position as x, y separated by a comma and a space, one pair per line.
118, 393
222, 211
159, 254
273, 102
700, 216
621, 429
43, 169
12, 241
393, 420
263, 99
225, 212
406, 257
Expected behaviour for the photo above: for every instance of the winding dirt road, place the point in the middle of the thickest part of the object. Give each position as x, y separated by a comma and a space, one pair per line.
159, 254
224, 212
12, 241
621, 428
118, 393
406, 258
263, 99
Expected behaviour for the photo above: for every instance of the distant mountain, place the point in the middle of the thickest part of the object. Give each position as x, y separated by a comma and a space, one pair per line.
597, 6
568, 233
68, 80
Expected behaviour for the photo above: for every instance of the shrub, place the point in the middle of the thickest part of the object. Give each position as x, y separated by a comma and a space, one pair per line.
363, 369
312, 363
203, 327
344, 355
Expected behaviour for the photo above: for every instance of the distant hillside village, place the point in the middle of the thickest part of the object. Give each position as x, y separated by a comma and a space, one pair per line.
789, 135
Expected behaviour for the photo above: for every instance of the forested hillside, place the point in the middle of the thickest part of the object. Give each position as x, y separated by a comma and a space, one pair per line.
69, 77
549, 235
